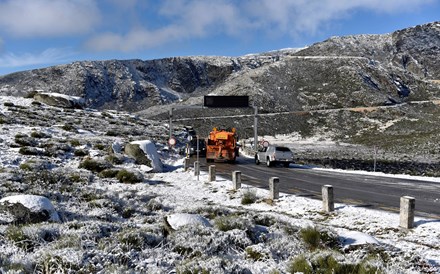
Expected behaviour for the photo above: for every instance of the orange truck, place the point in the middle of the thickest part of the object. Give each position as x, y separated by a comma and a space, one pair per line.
221, 145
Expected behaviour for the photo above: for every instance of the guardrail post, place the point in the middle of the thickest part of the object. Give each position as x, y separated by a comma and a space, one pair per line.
274, 188
186, 164
196, 168
407, 207
327, 198
211, 177
236, 180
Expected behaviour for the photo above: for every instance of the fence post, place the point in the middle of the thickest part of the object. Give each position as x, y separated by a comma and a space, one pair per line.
236, 180
196, 168
407, 207
274, 188
327, 198
211, 177
186, 164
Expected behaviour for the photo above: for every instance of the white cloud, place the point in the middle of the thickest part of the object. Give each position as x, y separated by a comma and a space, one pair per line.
41, 18
49, 56
186, 19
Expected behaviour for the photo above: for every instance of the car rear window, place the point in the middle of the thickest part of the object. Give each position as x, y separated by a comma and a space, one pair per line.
284, 149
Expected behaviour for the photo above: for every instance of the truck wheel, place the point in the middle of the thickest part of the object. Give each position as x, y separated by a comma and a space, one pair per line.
268, 162
256, 160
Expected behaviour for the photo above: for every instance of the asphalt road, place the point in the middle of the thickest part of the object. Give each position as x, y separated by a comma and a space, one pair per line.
360, 190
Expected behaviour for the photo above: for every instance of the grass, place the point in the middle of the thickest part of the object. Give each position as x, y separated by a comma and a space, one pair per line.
249, 197
311, 237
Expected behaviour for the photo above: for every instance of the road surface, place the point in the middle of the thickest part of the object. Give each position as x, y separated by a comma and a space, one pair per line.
360, 190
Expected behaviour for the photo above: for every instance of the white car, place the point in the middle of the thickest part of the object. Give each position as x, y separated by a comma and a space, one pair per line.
272, 155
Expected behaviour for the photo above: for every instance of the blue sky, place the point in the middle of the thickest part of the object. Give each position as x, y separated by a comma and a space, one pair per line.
41, 33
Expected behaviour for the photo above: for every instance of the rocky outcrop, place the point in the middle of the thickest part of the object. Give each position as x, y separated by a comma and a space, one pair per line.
134, 151
59, 100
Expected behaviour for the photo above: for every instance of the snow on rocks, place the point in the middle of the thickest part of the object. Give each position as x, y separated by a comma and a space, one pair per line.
149, 148
36, 204
353, 238
179, 220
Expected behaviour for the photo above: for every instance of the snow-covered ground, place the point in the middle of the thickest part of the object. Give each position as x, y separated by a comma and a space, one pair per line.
171, 222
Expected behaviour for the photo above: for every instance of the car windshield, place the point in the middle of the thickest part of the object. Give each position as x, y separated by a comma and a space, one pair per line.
283, 149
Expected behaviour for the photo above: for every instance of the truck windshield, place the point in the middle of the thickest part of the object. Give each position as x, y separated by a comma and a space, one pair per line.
283, 149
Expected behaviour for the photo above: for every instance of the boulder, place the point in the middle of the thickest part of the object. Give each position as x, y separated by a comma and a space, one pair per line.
25, 209
59, 100
179, 220
134, 151
150, 150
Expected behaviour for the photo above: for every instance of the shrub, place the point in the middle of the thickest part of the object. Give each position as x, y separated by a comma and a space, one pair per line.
8, 104
75, 143
112, 133
226, 223
19, 238
311, 237
254, 254
28, 151
81, 153
300, 264
93, 165
108, 173
127, 177
249, 197
114, 159
39, 134
68, 127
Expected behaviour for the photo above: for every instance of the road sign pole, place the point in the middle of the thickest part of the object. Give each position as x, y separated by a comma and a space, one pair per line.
255, 127
171, 122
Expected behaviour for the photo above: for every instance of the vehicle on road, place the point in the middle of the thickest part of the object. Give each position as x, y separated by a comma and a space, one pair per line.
221, 145
273, 155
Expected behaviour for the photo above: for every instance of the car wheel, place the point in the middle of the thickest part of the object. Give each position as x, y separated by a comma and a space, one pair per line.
268, 162
286, 164
256, 160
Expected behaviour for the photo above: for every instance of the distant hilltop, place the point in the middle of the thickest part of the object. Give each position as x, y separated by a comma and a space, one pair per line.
360, 70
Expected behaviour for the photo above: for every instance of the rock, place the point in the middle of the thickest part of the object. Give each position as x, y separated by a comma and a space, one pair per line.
59, 100
134, 151
150, 150
25, 209
179, 220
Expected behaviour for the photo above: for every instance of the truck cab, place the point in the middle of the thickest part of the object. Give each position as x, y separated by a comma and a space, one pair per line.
273, 155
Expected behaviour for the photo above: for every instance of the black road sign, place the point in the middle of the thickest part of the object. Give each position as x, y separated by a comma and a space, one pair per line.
226, 101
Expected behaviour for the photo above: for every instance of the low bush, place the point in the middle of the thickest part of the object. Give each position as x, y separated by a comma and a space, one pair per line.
28, 151
249, 197
311, 237
94, 165
127, 177
108, 173
81, 153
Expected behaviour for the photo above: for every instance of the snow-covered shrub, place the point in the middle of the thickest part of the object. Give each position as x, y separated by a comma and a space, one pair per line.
300, 264
230, 222
19, 238
55, 264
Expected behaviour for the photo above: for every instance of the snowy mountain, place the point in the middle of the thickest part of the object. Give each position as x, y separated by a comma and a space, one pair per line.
369, 90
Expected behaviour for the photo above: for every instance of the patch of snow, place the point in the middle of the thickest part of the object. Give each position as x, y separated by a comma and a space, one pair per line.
179, 220
352, 238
